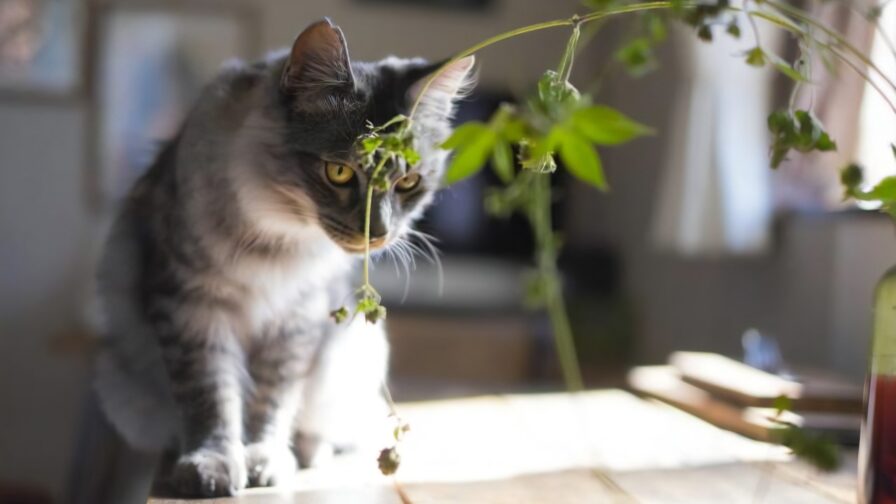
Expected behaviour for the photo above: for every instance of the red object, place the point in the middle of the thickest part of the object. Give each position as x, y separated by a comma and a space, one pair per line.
877, 455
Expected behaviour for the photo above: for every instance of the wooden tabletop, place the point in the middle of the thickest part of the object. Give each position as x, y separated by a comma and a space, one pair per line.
591, 447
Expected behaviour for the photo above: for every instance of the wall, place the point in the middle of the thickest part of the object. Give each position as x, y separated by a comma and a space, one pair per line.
46, 237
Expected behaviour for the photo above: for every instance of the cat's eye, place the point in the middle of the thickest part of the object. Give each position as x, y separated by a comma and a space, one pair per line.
339, 174
408, 182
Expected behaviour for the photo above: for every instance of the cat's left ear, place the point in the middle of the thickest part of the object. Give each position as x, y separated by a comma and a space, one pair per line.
318, 63
439, 95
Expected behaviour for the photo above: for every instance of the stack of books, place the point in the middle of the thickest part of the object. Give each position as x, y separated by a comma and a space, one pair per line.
743, 399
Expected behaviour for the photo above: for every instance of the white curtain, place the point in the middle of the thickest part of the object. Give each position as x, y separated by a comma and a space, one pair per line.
715, 195
877, 125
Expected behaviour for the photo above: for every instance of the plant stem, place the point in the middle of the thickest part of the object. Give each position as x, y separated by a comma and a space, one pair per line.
796, 30
855, 68
539, 208
563, 339
569, 55
840, 39
570, 21
538, 212
749, 12
370, 188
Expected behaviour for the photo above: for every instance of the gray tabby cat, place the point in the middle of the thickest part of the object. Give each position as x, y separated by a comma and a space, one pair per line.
221, 270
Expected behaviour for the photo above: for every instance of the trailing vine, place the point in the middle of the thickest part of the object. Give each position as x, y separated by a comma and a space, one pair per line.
559, 122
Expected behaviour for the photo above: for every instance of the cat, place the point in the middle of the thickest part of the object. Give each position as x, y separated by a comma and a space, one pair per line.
222, 267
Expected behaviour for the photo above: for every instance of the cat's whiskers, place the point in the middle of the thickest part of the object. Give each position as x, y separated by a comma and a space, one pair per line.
404, 250
428, 249
390, 254
398, 250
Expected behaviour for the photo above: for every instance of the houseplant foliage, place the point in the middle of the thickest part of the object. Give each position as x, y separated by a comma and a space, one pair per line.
558, 123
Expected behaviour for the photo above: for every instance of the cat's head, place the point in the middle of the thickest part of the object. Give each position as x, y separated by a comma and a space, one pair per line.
327, 101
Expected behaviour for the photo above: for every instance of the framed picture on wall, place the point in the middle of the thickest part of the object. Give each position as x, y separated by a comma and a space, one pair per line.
42, 48
152, 60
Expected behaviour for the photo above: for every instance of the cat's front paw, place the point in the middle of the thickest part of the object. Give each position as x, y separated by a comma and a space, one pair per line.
210, 472
270, 464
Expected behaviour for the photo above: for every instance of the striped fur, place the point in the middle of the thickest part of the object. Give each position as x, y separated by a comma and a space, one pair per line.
227, 256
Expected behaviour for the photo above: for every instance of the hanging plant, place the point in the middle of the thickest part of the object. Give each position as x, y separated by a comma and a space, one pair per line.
525, 142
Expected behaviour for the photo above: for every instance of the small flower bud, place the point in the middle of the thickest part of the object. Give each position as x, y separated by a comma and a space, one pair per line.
389, 460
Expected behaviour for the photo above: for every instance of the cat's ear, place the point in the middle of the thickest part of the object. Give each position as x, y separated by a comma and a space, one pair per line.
318, 63
438, 96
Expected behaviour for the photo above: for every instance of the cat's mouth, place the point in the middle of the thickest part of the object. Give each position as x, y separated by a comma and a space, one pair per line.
357, 246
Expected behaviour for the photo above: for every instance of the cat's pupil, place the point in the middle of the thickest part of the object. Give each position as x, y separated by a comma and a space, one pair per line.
339, 174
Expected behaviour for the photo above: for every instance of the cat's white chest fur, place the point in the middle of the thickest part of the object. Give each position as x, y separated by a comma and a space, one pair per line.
276, 285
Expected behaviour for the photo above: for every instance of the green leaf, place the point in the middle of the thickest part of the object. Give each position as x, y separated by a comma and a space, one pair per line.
704, 33
470, 157
789, 71
815, 449
637, 57
582, 160
371, 308
502, 161
782, 403
513, 130
371, 144
553, 92
607, 126
824, 143
464, 134
733, 29
545, 146
339, 314
547, 87
884, 191
779, 120
656, 27
756, 57
799, 131
400, 430
810, 134
366, 305
373, 316
852, 177
411, 156
392, 143
785, 67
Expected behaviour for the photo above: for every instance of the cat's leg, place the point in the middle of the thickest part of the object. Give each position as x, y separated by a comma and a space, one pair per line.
205, 363
278, 364
343, 406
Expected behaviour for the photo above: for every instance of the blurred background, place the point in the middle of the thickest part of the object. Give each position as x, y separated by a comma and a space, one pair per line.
697, 242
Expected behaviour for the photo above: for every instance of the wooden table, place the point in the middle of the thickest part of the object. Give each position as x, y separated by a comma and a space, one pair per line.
592, 447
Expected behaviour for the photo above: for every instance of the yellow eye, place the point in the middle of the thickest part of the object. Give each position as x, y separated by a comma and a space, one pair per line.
339, 174
408, 182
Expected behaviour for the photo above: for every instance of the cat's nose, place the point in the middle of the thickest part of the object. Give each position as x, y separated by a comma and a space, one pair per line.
379, 218
378, 235
378, 230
